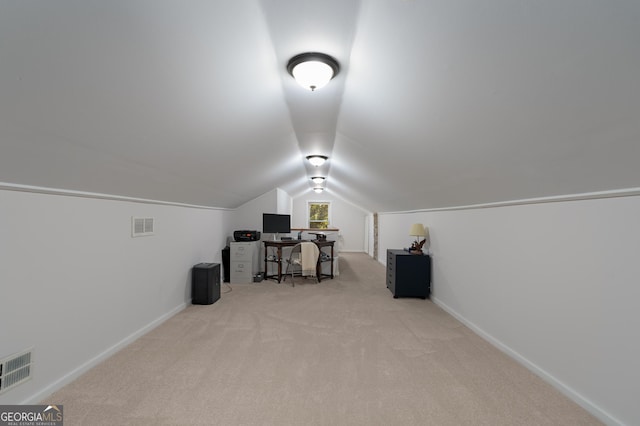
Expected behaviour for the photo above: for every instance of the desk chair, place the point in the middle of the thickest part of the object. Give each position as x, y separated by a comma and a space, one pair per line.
303, 259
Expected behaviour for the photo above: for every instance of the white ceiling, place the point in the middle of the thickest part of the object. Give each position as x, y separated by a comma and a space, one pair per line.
438, 103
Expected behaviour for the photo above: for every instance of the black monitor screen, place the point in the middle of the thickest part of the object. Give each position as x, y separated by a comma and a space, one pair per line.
276, 223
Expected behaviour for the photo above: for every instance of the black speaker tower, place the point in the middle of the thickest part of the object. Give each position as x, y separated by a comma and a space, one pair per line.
205, 283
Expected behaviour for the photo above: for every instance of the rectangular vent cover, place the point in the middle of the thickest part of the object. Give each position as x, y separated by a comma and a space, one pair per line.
142, 226
15, 370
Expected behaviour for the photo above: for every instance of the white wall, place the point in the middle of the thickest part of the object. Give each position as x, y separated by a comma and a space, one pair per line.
345, 216
555, 285
76, 286
284, 202
249, 215
351, 220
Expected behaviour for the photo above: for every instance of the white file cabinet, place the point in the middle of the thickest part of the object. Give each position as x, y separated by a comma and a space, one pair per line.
244, 261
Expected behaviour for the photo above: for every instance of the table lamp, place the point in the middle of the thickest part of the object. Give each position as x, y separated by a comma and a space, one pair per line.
418, 230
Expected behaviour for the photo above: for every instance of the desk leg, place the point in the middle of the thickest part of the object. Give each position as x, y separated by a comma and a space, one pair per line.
319, 269
279, 264
332, 261
266, 271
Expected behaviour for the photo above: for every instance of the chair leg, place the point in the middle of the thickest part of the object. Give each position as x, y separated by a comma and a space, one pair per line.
293, 283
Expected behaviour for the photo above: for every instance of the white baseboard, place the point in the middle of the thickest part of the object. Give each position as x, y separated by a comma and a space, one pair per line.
77, 372
592, 408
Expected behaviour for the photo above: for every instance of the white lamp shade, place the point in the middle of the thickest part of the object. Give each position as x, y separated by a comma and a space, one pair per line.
318, 190
317, 180
418, 230
312, 75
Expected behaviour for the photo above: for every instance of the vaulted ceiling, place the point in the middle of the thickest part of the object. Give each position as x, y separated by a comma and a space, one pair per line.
438, 102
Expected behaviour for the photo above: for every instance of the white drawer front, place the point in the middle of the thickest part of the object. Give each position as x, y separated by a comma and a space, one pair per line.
241, 251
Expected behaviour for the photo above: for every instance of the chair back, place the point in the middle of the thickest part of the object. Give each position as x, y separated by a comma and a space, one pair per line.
309, 253
304, 256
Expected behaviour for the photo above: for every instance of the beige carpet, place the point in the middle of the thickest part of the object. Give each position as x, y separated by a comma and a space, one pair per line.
342, 352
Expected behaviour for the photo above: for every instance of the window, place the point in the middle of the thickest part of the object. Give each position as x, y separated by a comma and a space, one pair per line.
319, 214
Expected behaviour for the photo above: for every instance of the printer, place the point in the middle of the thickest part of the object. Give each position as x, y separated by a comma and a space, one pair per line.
246, 235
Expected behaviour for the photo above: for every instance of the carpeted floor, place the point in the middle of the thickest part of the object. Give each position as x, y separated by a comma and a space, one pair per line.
342, 352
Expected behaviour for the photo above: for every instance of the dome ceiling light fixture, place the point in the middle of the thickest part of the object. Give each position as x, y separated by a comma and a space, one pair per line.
313, 70
318, 189
318, 179
317, 160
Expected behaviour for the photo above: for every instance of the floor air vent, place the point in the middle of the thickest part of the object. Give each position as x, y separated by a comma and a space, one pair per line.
15, 370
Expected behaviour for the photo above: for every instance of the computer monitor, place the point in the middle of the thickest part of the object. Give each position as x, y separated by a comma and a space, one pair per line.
276, 223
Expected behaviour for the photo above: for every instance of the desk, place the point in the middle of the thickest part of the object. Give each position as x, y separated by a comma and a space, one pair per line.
278, 244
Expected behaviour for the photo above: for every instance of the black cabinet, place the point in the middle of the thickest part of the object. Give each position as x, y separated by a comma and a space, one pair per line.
408, 275
205, 283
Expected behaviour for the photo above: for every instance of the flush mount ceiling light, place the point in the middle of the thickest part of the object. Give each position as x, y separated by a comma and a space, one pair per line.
317, 180
318, 189
317, 160
313, 70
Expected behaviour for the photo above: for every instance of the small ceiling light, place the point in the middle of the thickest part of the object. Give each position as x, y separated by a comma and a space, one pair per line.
318, 189
317, 180
317, 160
313, 70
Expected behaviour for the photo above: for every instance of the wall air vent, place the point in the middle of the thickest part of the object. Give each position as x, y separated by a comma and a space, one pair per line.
15, 369
142, 226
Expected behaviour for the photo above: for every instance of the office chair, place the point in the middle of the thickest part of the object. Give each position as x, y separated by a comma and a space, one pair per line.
303, 259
